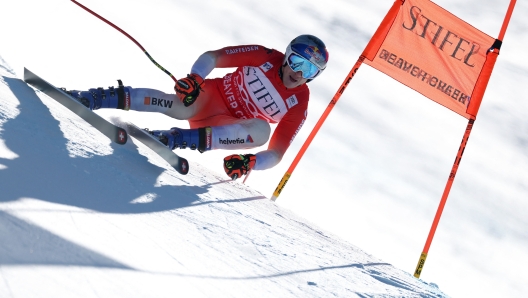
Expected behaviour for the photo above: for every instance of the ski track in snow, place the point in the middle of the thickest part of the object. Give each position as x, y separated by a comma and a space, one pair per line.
216, 231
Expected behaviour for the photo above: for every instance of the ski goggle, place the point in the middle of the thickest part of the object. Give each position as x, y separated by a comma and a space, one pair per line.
298, 63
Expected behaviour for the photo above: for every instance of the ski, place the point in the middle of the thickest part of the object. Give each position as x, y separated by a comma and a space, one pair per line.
115, 133
180, 164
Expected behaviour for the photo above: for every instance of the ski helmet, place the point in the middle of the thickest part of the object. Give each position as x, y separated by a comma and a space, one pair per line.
308, 54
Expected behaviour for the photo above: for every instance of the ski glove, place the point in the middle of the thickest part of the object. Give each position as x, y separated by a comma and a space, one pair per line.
237, 165
189, 88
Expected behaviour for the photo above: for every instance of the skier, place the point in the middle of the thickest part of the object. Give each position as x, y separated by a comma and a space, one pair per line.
233, 112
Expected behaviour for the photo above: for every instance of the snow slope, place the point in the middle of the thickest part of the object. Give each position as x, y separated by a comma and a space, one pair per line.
375, 173
81, 217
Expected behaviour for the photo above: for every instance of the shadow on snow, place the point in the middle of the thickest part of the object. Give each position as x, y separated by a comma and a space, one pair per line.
45, 171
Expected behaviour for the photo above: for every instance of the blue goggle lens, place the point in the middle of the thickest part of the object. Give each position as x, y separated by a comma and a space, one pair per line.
298, 63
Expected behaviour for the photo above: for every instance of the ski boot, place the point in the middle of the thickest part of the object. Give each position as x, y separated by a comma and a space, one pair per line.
96, 98
178, 138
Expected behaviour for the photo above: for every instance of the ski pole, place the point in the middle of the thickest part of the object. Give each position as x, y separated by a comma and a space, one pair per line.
127, 35
247, 175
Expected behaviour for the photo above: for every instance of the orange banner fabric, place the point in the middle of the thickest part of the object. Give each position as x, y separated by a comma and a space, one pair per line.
435, 53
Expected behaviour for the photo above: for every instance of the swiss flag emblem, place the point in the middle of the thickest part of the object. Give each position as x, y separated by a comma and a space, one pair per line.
121, 136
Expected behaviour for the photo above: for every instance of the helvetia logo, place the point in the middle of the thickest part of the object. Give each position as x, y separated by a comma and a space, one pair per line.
231, 142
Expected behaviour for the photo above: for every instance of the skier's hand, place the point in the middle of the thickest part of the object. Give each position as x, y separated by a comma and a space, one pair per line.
237, 165
189, 88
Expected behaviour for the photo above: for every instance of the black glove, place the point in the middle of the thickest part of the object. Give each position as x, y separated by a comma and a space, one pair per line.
237, 165
189, 88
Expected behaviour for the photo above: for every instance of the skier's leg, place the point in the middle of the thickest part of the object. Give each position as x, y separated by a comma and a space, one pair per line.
151, 100
212, 126
229, 133
97, 98
217, 132
137, 99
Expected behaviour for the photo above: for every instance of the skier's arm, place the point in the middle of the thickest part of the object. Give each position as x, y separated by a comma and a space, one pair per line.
246, 55
281, 139
204, 64
267, 159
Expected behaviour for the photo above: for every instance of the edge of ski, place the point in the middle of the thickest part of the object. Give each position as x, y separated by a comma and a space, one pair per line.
112, 131
180, 164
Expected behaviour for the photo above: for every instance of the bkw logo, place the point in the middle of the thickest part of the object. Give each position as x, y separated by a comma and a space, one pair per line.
160, 102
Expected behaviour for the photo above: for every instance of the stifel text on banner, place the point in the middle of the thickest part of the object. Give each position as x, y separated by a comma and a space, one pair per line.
435, 53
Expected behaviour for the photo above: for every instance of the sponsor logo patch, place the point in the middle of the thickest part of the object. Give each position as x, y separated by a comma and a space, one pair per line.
315, 54
297, 131
127, 101
208, 138
241, 50
183, 84
292, 101
261, 95
229, 141
160, 102
266, 66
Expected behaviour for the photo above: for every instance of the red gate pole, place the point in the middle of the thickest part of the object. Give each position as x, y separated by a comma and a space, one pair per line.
473, 107
368, 53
